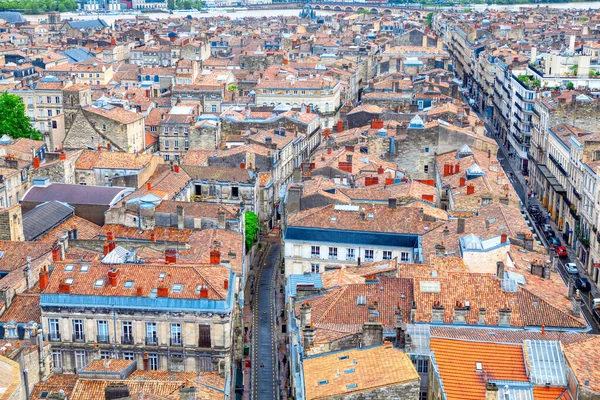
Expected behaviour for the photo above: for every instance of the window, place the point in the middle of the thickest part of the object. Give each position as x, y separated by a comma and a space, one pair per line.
78, 333
369, 255
167, 157
422, 366
486, 201
175, 334
128, 284
102, 331
151, 335
104, 127
84, 268
214, 108
176, 144
153, 361
177, 288
333, 253
54, 329
166, 129
404, 256
153, 129
426, 149
167, 144
204, 336
387, 255
350, 254
186, 130
186, 144
425, 169
57, 99
315, 251
80, 359
234, 192
175, 130
105, 354
127, 329
128, 356
49, 113
57, 360
315, 268
12, 332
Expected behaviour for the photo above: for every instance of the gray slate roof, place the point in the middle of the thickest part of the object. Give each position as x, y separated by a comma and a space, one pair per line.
44, 218
12, 17
76, 194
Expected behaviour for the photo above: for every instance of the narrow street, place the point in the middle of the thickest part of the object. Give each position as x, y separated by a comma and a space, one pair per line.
264, 361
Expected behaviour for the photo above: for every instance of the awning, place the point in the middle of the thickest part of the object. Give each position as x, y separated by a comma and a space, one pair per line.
556, 186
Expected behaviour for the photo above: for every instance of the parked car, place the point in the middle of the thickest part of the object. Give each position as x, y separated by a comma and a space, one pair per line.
554, 241
533, 208
549, 234
571, 268
561, 251
582, 284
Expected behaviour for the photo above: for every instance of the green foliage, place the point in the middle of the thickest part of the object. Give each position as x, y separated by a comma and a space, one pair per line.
39, 6
529, 81
574, 69
429, 19
570, 86
14, 122
366, 12
232, 88
251, 228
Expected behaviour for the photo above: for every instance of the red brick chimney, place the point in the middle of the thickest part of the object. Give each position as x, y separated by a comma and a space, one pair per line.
64, 287
226, 284
43, 279
176, 168
56, 254
380, 170
463, 181
204, 292
170, 256
146, 362
62, 156
242, 165
389, 181
427, 197
162, 291
340, 125
153, 237
110, 235
113, 277
503, 238
470, 189
215, 254
149, 186
36, 162
329, 150
138, 290
106, 251
457, 168
376, 123
111, 246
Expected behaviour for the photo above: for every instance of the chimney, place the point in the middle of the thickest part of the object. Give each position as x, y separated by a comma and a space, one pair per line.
362, 215
36, 162
180, 217
400, 327
570, 288
153, 237
110, 236
149, 185
146, 362
139, 291
106, 248
215, 254
380, 170
204, 292
372, 334
376, 123
170, 256
500, 270
56, 254
187, 392
162, 291
504, 316
457, 168
310, 333
503, 238
226, 284
481, 320
242, 165
43, 278
62, 156
305, 319
75, 233
460, 226
307, 109
113, 277
221, 218
176, 168
392, 202
577, 304
116, 391
329, 151
460, 313
470, 189
372, 311
463, 181
64, 288
340, 125
437, 313
528, 242
349, 158
491, 391
546, 271
111, 246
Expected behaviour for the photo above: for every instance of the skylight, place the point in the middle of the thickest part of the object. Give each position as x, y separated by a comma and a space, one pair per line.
128, 284
351, 386
69, 281
99, 283
162, 275
69, 267
177, 288
85, 268
321, 383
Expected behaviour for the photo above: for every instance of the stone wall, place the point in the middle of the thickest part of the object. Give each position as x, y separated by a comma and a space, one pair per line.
204, 137
406, 391
11, 223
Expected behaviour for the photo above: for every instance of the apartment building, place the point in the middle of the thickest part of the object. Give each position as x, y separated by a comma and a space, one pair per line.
43, 101
167, 317
174, 130
317, 240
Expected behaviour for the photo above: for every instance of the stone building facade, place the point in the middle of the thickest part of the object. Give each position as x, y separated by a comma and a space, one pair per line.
11, 223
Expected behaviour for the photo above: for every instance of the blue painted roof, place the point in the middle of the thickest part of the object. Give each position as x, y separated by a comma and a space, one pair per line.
88, 24
352, 237
77, 55
305, 280
12, 17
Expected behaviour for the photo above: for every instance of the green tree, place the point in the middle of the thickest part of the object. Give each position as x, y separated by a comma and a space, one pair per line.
251, 228
62, 8
570, 86
171, 4
14, 122
430, 19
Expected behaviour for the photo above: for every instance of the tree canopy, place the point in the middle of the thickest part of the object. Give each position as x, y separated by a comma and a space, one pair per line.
251, 228
14, 122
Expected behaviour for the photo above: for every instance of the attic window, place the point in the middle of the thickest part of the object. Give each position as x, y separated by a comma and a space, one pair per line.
2, 253
371, 216
351, 386
349, 371
154, 292
128, 284
177, 288
69, 281
321, 383
198, 288
44, 394
162, 275
69, 267
99, 283
343, 357
478, 366
84, 268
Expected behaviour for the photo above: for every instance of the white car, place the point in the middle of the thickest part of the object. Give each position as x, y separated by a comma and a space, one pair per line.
571, 268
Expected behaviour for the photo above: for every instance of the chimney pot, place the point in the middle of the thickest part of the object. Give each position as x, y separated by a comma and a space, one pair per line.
36, 162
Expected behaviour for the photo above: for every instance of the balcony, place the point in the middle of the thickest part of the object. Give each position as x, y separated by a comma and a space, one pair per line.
558, 165
79, 337
315, 255
176, 340
152, 340
54, 337
127, 339
102, 339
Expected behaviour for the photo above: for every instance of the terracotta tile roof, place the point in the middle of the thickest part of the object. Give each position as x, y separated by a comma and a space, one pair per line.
108, 365
117, 114
367, 369
144, 276
85, 230
15, 253
456, 362
24, 308
231, 247
550, 393
506, 335
161, 233
54, 384
583, 359
165, 180
340, 277
199, 209
93, 389
90, 159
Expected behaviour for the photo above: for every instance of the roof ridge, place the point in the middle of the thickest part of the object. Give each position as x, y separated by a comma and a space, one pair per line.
335, 300
548, 304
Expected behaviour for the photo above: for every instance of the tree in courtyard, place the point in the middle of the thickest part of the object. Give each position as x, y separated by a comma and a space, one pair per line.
251, 228
14, 122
